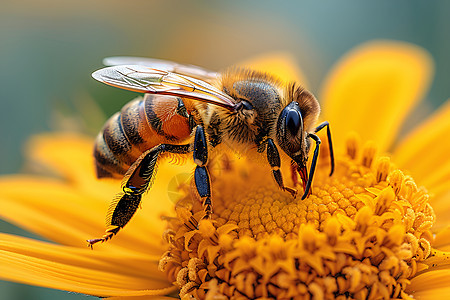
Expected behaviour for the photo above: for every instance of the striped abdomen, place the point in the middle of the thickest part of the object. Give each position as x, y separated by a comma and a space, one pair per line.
141, 125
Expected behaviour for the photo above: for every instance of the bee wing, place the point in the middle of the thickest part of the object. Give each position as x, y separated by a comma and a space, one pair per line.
166, 65
143, 79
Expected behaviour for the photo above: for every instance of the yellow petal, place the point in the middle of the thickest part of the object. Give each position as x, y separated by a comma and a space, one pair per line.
373, 88
441, 207
281, 64
424, 152
433, 294
49, 208
113, 261
442, 239
60, 213
80, 270
68, 154
430, 280
438, 259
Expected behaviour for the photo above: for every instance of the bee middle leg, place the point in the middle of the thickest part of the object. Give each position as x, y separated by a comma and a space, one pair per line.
275, 163
137, 180
201, 175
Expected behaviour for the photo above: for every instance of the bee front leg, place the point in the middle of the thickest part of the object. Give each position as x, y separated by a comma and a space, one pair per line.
316, 139
137, 180
275, 163
313, 165
201, 175
330, 143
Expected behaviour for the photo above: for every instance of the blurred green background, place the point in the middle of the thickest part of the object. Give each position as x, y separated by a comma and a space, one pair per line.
49, 48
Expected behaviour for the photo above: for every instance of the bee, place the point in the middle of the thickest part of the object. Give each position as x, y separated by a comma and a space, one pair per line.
188, 109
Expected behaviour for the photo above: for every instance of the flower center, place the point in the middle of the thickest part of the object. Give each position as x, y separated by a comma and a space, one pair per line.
361, 233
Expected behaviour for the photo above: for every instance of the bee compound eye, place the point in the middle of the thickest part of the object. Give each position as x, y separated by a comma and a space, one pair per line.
293, 122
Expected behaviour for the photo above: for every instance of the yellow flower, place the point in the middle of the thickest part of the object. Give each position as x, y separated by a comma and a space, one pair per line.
378, 228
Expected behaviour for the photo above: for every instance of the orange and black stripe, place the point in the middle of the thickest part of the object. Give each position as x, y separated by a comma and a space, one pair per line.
141, 125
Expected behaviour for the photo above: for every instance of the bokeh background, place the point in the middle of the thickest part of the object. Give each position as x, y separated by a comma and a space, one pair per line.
49, 48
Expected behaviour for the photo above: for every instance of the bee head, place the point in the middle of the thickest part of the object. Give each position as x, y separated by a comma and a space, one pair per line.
290, 133
296, 119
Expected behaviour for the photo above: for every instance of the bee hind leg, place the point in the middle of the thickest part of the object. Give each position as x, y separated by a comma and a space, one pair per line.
275, 163
137, 180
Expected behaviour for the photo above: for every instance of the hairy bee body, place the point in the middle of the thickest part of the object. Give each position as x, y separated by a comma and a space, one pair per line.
145, 123
141, 125
194, 111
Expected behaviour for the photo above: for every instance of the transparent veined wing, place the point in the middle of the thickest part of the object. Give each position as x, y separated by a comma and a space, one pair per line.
161, 64
144, 79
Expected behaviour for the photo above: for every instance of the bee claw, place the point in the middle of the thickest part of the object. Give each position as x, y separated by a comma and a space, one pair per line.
91, 242
292, 191
108, 235
207, 216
